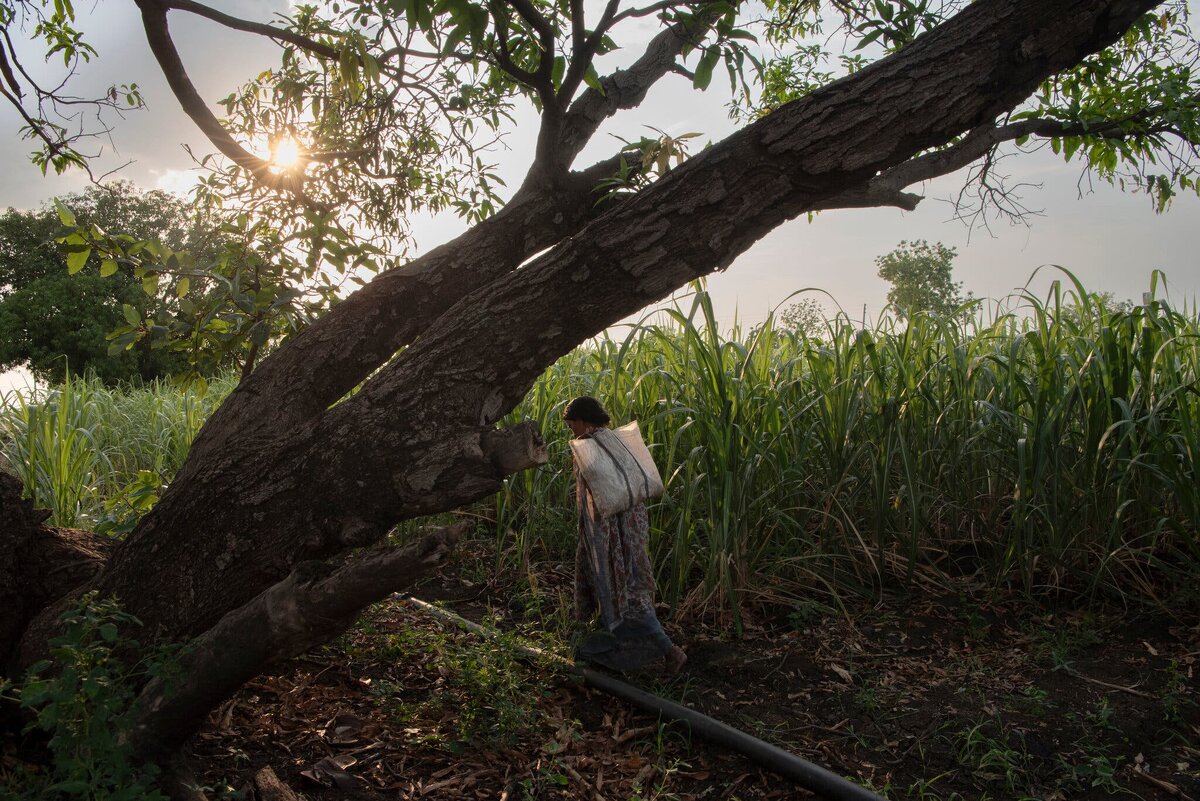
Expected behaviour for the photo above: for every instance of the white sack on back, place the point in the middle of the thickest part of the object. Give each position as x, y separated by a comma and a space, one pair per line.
617, 468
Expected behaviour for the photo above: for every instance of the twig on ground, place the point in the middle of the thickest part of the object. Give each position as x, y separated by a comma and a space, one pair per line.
1119, 687
1165, 786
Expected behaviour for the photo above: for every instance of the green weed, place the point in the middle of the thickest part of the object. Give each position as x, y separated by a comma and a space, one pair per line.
80, 701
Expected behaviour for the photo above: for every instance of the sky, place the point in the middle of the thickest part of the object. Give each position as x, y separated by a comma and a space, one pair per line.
1109, 239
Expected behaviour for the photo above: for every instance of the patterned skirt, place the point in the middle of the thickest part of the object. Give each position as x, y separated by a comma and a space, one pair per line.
613, 578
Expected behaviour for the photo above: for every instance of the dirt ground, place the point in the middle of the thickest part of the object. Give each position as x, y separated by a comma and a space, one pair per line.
928, 698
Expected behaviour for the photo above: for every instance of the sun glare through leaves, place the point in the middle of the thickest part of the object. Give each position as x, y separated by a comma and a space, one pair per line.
286, 154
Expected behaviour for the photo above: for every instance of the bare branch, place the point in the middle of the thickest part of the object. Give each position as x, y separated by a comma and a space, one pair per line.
10, 79
154, 19
655, 8
537, 21
584, 49
504, 53
305, 43
982, 140
545, 68
578, 31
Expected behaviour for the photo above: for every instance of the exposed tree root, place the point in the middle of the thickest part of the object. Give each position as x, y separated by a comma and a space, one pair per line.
312, 605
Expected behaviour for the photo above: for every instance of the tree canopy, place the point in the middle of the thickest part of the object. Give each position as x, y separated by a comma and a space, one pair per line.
393, 109
920, 275
56, 321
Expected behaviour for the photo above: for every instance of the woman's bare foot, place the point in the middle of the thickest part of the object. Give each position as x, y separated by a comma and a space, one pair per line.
674, 660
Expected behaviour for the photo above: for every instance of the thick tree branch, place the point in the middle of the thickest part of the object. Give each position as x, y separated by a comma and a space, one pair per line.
399, 472
9, 77
703, 214
627, 88
312, 605
154, 20
283, 35
343, 347
543, 83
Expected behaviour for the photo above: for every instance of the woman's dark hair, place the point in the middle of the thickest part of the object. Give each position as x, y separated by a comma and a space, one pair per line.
587, 410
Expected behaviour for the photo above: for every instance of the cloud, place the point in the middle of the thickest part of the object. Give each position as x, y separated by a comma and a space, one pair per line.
180, 182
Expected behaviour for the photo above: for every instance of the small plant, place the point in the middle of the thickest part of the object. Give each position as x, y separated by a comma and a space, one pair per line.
80, 699
805, 614
923, 790
123, 510
492, 695
548, 777
1177, 695
498, 699
1035, 700
985, 748
866, 700
975, 626
1102, 715
1096, 771
1059, 642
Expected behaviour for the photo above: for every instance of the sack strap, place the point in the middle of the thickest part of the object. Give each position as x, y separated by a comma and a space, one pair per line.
641, 470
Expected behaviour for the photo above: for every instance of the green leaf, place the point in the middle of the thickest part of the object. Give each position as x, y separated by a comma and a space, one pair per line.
73, 787
260, 332
150, 283
560, 69
183, 286
131, 315
64, 213
107, 268
592, 79
704, 69
866, 40
76, 259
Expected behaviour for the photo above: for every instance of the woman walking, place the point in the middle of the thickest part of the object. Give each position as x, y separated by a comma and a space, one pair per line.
613, 576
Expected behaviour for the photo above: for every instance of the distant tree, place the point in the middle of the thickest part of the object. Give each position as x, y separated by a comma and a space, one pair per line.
1109, 302
1095, 307
54, 321
805, 316
920, 275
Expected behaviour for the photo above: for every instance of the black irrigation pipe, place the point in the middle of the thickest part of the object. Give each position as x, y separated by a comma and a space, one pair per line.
805, 773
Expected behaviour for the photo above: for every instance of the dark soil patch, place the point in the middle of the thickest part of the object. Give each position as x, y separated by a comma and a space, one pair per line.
949, 698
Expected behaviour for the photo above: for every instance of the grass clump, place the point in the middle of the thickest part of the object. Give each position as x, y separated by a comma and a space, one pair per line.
1050, 447
94, 454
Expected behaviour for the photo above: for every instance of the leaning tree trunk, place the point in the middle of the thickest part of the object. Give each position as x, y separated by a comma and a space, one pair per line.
39, 564
419, 437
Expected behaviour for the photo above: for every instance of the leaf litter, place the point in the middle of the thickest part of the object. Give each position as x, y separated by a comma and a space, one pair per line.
928, 698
